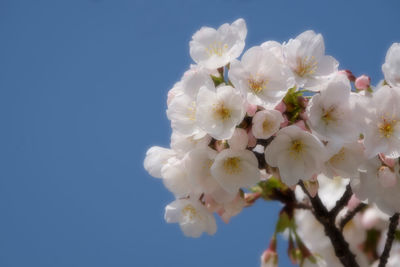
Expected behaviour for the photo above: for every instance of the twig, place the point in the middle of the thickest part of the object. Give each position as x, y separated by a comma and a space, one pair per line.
339, 244
342, 202
303, 206
394, 221
350, 214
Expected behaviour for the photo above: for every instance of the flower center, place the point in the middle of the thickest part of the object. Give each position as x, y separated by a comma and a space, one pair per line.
306, 66
216, 48
267, 125
386, 128
232, 165
257, 84
221, 112
296, 148
190, 212
328, 115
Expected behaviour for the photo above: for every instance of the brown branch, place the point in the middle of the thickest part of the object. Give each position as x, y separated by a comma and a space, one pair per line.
341, 202
303, 206
394, 221
350, 214
339, 244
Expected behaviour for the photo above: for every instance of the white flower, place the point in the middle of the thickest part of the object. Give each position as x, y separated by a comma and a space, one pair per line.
261, 77
175, 177
331, 113
297, 154
232, 208
266, 123
391, 67
234, 169
372, 186
198, 164
344, 160
215, 48
192, 216
275, 48
156, 158
382, 133
182, 105
239, 139
182, 144
219, 112
305, 55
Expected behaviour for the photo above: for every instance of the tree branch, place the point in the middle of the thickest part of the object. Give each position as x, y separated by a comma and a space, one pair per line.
350, 214
339, 244
342, 201
394, 221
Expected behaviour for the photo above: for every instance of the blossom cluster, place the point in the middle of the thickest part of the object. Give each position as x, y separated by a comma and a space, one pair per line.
283, 110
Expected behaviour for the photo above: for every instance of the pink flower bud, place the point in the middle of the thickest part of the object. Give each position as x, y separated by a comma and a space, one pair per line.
387, 161
281, 107
251, 110
386, 177
269, 258
252, 140
301, 124
349, 75
353, 202
363, 82
285, 122
303, 115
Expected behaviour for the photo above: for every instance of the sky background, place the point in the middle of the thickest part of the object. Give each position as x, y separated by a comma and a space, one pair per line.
83, 88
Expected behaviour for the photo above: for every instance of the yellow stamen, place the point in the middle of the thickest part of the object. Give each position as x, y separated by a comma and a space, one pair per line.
306, 66
190, 212
386, 128
328, 115
216, 48
296, 148
257, 84
221, 112
232, 165
267, 125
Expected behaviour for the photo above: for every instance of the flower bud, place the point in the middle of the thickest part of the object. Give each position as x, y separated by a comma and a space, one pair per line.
281, 107
251, 110
349, 75
353, 202
390, 162
285, 121
301, 124
269, 258
363, 82
252, 140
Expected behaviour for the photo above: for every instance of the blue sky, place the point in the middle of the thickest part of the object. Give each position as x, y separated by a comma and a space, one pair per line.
83, 87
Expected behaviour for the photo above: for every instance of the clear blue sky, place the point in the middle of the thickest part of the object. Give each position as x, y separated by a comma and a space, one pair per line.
83, 86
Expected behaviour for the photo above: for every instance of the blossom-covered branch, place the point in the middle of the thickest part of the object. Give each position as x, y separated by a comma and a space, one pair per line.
256, 124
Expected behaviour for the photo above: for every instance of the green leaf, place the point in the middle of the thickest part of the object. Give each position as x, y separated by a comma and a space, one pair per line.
217, 80
283, 223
